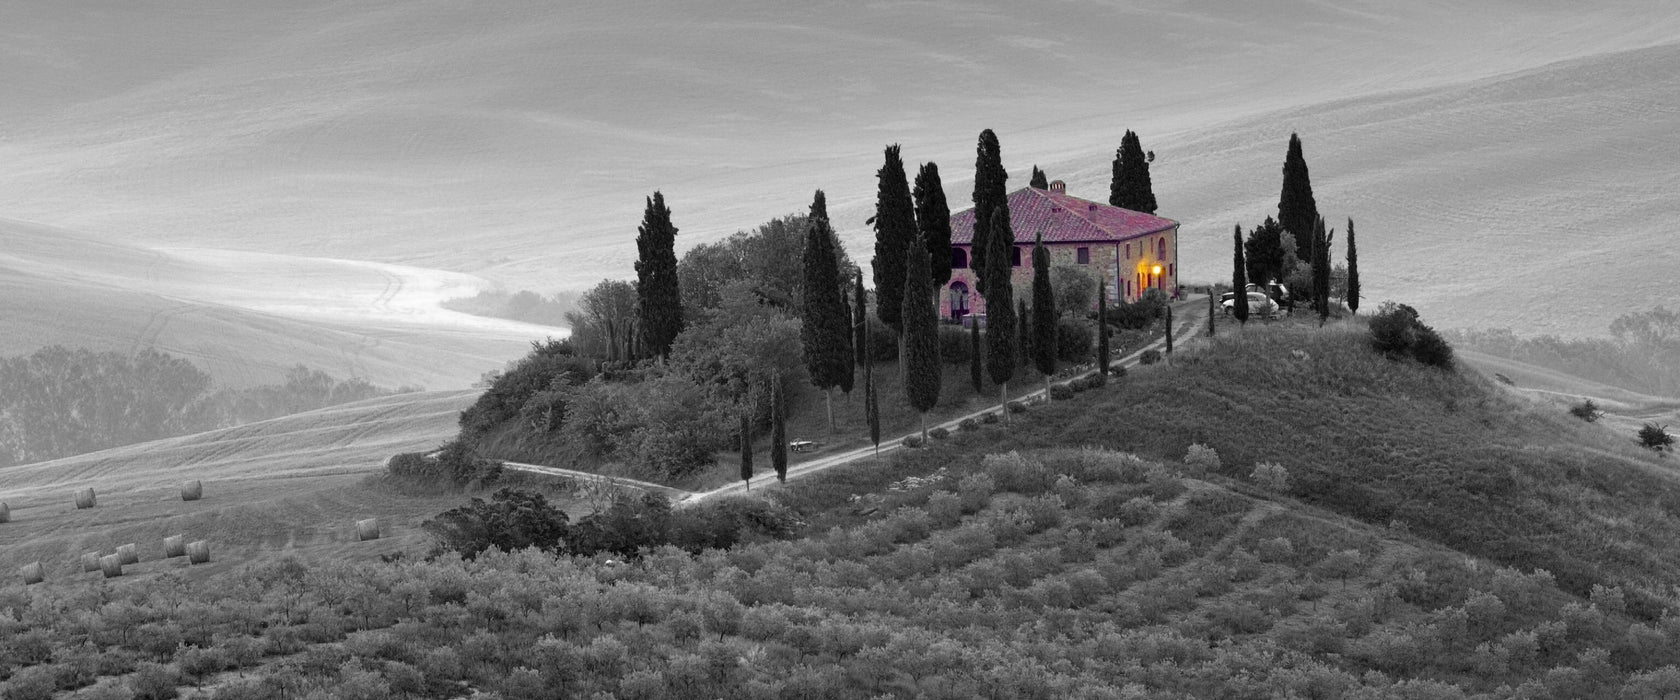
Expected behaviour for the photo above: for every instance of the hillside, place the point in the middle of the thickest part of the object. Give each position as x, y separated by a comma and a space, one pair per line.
293, 484
245, 318
1077, 554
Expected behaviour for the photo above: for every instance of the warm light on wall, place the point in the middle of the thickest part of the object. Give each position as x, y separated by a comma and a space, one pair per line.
1156, 269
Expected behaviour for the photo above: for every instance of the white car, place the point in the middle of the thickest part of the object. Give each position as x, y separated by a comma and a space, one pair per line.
1259, 305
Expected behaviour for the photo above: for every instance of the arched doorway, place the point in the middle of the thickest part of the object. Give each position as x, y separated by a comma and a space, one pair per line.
959, 300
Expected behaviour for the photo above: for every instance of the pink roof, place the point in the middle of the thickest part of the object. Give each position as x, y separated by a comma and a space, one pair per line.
1063, 219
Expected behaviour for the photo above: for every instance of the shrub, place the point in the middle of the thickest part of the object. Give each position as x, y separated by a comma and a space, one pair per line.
1431, 349
548, 365
1140, 314
883, 343
1116, 371
154, 682
1017, 407
968, 425
989, 418
1271, 476
953, 344
912, 441
1396, 331
939, 433
1200, 459
454, 465
1138, 511
1655, 437
1276, 549
1074, 339
1150, 357
1061, 392
512, 520
1586, 410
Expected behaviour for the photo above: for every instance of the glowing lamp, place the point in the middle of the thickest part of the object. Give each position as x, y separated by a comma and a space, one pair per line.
1157, 269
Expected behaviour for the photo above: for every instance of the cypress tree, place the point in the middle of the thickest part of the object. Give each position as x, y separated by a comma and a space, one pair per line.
746, 449
1102, 326
860, 322
1297, 210
921, 335
1264, 253
658, 303
1044, 314
1239, 279
1321, 269
895, 225
1210, 311
990, 181
975, 355
1000, 306
778, 429
1353, 272
1169, 332
1131, 188
824, 330
871, 409
1024, 334
933, 220
1039, 180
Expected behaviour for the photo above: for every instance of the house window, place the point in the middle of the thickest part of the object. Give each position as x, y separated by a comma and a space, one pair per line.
1171, 271
959, 300
959, 258
1015, 257
1128, 251
1083, 255
1161, 248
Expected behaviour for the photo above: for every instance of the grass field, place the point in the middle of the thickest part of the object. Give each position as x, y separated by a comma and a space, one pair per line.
293, 485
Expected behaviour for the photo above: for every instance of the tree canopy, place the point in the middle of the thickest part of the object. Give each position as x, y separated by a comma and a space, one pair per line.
933, 220
990, 194
825, 322
659, 302
1297, 210
895, 226
1131, 187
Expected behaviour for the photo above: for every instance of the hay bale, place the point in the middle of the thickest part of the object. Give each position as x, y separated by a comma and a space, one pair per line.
129, 554
174, 546
198, 552
111, 564
33, 574
5, 512
192, 491
85, 499
90, 561
367, 529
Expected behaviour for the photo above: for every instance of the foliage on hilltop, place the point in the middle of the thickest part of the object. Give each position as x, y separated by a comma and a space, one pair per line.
58, 401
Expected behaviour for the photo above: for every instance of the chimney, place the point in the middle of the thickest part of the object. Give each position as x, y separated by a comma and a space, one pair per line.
1058, 186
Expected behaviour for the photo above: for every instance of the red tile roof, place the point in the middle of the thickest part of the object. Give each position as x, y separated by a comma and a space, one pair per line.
1063, 219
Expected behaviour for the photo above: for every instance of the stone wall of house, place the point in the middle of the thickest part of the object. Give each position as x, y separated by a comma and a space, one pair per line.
1134, 260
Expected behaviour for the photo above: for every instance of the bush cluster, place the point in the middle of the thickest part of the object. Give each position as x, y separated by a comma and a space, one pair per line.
1149, 357
954, 344
453, 465
1586, 410
1074, 340
1061, 392
1397, 332
1140, 314
1655, 437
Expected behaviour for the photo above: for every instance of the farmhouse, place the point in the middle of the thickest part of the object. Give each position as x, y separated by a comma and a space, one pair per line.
1129, 251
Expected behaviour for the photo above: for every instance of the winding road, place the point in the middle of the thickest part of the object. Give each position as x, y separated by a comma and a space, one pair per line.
1193, 317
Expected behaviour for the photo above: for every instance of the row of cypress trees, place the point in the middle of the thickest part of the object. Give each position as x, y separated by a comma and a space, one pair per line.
1298, 217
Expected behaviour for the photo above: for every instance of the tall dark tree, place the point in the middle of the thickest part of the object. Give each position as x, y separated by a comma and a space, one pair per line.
1131, 188
778, 429
1239, 278
990, 195
1039, 180
746, 449
1102, 327
860, 322
1264, 253
1211, 312
976, 355
1168, 323
1000, 306
1297, 210
871, 404
921, 335
824, 328
1353, 272
1321, 269
895, 225
933, 219
1044, 314
1024, 332
658, 302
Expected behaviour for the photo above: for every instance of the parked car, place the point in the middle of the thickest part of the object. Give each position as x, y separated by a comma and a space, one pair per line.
1259, 305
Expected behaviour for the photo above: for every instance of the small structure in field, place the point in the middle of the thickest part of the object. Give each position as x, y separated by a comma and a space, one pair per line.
367, 529
90, 561
111, 564
129, 554
5, 512
198, 552
85, 499
33, 573
192, 490
174, 546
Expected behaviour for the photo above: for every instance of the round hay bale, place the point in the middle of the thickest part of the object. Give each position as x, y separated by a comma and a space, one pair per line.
85, 499
367, 529
192, 491
174, 546
129, 554
198, 552
111, 564
33, 573
5, 512
90, 561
